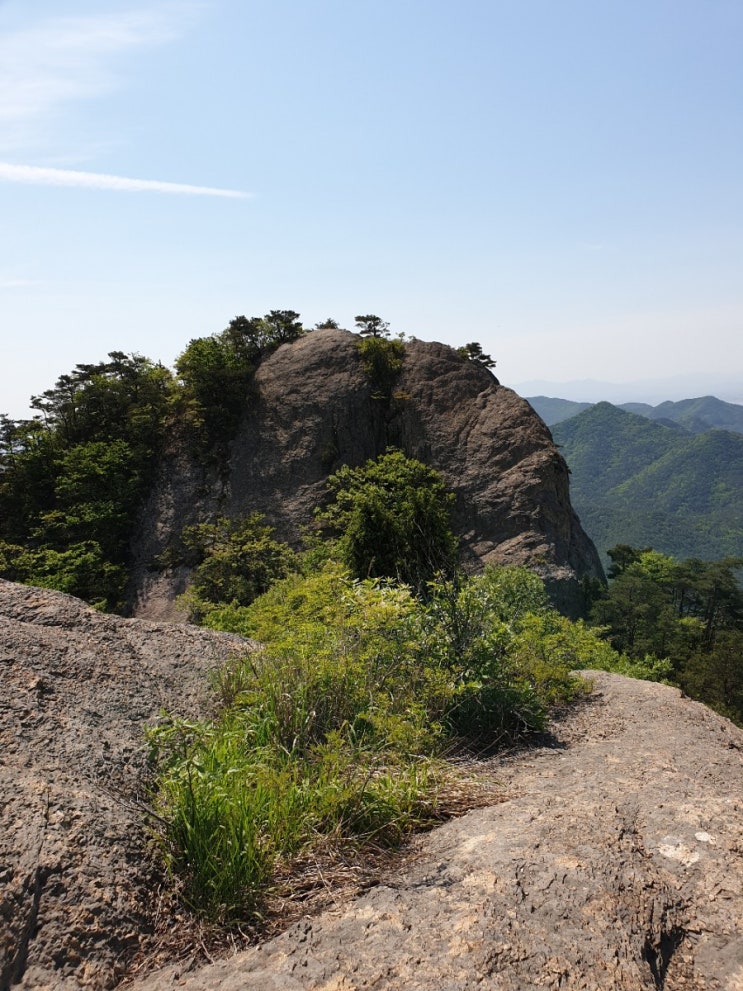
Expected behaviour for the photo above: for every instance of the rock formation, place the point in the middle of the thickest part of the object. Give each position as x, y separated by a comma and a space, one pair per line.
317, 409
613, 863
77, 689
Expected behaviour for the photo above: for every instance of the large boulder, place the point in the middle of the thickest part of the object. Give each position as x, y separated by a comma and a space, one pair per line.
316, 409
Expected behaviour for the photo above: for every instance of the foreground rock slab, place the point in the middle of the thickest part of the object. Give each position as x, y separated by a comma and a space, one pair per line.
617, 863
77, 689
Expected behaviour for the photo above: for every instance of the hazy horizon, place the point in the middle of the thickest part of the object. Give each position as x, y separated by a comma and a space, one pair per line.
650, 391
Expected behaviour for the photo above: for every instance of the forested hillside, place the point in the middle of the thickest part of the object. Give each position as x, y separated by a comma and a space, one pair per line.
74, 477
640, 482
694, 415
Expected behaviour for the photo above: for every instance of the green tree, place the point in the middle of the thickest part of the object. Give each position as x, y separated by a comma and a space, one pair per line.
238, 561
382, 360
283, 327
393, 520
638, 610
687, 614
716, 675
371, 325
622, 556
72, 478
474, 352
123, 398
216, 373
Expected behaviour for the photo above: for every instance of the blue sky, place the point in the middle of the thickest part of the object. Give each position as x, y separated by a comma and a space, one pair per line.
562, 182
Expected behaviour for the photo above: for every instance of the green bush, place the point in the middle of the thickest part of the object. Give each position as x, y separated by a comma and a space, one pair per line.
338, 726
382, 360
392, 517
237, 559
490, 632
323, 732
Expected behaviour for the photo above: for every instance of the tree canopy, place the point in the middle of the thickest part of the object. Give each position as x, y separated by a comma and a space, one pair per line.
371, 325
73, 478
688, 612
236, 561
216, 372
474, 352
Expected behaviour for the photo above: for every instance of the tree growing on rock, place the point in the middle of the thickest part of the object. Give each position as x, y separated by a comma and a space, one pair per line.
372, 326
474, 352
393, 520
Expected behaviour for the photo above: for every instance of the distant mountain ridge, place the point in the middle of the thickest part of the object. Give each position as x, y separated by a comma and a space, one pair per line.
644, 482
651, 391
694, 415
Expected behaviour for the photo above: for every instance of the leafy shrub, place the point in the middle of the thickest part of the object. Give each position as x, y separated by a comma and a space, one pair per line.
382, 360
487, 630
337, 727
325, 731
393, 520
83, 570
238, 561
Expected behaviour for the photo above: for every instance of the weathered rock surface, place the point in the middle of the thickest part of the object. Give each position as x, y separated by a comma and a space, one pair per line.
317, 409
76, 691
616, 864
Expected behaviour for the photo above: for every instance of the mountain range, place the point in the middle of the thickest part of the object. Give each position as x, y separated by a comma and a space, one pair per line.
694, 415
652, 391
665, 477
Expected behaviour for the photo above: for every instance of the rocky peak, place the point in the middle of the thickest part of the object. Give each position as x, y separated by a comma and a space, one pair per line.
317, 408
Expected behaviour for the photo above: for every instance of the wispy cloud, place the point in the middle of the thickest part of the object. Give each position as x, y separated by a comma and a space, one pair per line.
70, 58
34, 175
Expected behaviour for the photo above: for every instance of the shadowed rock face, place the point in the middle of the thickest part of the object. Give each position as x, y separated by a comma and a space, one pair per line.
317, 410
614, 861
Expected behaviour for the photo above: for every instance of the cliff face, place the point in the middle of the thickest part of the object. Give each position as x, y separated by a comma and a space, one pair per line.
318, 409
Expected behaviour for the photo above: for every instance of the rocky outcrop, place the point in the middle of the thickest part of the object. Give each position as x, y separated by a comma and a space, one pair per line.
77, 688
317, 409
614, 861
